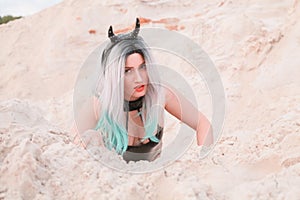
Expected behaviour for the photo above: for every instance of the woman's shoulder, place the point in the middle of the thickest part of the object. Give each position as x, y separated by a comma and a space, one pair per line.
169, 92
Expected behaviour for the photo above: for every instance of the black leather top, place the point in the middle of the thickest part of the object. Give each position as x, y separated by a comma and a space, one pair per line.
149, 151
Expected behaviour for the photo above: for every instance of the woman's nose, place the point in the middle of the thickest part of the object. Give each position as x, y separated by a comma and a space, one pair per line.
138, 76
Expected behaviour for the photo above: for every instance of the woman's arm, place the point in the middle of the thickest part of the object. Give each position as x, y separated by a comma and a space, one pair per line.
177, 105
86, 121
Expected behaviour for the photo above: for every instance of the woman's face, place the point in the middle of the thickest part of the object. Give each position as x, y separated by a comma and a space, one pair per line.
135, 77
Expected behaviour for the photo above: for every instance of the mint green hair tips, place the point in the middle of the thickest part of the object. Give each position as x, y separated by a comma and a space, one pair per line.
115, 136
150, 128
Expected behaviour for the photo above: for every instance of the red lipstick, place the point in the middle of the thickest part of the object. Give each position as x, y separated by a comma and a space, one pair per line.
140, 88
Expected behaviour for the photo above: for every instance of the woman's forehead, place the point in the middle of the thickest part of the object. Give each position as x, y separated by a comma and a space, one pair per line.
134, 59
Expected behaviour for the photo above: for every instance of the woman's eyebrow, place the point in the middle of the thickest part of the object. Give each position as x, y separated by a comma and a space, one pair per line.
133, 67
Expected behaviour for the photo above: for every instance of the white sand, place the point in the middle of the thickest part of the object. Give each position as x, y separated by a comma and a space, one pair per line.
255, 47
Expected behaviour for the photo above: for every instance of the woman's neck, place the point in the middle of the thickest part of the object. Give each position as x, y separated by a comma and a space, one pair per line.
133, 105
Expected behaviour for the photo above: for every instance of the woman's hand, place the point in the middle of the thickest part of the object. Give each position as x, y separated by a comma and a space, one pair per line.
88, 138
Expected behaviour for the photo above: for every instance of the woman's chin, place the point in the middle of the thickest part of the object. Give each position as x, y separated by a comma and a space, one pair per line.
137, 95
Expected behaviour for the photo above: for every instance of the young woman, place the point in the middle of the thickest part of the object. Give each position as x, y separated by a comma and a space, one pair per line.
129, 104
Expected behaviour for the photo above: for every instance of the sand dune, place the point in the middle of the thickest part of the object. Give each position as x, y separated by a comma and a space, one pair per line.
254, 46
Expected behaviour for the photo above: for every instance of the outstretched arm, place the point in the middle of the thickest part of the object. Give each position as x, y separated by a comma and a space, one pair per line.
87, 118
177, 105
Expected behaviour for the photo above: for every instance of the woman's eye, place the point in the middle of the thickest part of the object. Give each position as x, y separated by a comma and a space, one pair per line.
127, 70
143, 66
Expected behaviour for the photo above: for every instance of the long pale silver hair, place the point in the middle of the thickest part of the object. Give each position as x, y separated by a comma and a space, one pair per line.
110, 93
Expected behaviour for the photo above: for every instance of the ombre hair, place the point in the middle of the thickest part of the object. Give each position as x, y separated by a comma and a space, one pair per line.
110, 93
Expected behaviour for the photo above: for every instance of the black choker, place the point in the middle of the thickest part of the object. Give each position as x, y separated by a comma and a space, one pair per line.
133, 105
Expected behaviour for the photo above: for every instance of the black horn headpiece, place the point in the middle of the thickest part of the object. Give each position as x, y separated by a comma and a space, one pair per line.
117, 38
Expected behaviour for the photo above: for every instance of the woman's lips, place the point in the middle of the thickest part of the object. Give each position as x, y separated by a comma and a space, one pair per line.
140, 88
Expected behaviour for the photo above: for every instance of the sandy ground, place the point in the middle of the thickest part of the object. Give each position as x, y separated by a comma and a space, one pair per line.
255, 46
